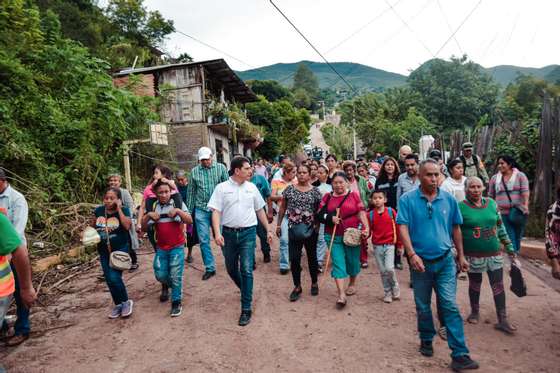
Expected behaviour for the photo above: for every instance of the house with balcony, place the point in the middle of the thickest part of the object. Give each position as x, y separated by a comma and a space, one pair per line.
202, 103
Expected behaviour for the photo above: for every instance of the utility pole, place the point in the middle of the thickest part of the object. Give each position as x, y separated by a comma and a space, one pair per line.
126, 160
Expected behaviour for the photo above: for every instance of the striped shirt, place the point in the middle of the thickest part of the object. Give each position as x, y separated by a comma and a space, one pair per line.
9, 242
517, 189
202, 183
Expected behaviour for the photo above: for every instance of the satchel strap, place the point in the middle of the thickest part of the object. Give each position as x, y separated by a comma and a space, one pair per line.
107, 233
371, 215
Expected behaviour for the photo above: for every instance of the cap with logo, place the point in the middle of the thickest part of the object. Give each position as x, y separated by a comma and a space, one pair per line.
204, 153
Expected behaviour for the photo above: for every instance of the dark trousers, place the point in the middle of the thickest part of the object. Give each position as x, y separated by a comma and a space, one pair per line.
22, 325
496, 278
262, 234
295, 249
113, 278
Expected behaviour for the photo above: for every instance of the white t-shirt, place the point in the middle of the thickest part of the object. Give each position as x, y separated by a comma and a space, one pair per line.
455, 187
237, 203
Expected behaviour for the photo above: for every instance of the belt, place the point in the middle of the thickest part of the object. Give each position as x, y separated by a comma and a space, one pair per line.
241, 229
435, 260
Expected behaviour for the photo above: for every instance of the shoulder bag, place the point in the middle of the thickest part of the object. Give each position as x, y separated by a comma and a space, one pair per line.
516, 215
118, 260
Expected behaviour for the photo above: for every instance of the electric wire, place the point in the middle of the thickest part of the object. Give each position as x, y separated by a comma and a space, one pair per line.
459, 27
449, 25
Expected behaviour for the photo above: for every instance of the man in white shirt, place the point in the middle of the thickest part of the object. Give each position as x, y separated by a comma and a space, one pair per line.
236, 204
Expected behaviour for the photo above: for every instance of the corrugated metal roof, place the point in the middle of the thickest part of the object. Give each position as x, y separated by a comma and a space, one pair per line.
219, 70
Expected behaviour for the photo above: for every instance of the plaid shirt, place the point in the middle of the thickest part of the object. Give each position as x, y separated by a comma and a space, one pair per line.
203, 181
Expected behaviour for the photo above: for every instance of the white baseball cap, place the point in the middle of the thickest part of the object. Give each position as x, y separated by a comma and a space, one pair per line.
204, 153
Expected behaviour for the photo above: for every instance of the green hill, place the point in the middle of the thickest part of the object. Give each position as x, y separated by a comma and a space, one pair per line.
360, 76
369, 78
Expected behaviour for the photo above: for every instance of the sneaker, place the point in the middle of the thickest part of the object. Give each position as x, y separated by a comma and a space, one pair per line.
266, 258
245, 318
442, 332
388, 298
127, 308
208, 274
295, 294
463, 362
189, 259
116, 312
364, 265
284, 271
462, 276
426, 348
176, 308
396, 294
314, 289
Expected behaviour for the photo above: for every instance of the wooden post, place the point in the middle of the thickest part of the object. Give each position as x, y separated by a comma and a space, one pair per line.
126, 161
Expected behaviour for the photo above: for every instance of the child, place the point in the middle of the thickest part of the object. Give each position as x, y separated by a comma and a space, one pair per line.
192, 239
384, 237
112, 221
170, 244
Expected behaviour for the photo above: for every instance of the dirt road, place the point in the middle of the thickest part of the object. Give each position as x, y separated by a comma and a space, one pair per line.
307, 336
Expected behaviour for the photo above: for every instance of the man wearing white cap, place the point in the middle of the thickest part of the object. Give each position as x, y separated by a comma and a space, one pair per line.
203, 181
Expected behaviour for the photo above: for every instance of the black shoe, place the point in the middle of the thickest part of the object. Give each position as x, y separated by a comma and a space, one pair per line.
284, 271
164, 296
266, 258
294, 295
463, 362
314, 289
208, 274
176, 309
254, 265
245, 318
189, 259
426, 348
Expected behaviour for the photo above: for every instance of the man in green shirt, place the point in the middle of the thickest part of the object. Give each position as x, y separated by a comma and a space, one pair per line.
11, 244
204, 179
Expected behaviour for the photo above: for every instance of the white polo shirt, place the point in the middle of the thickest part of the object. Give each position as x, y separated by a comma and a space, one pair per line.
237, 203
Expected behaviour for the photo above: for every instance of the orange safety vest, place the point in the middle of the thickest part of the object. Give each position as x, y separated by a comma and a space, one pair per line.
7, 283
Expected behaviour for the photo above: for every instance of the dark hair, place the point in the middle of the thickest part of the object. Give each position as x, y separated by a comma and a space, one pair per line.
379, 191
508, 159
288, 166
558, 192
117, 191
306, 166
411, 156
452, 163
160, 183
331, 156
383, 174
325, 168
3, 174
340, 174
165, 171
347, 164
362, 164
237, 162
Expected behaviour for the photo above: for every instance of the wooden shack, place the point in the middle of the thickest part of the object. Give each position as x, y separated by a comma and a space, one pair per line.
192, 94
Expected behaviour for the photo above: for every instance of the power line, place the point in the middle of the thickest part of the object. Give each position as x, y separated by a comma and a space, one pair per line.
312, 46
410, 29
153, 158
449, 25
458, 28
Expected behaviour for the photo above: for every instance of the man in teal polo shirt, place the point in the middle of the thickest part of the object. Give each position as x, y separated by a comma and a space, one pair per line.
429, 219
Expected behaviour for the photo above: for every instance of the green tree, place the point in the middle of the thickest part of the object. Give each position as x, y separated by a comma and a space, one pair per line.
302, 99
270, 89
306, 80
339, 139
455, 94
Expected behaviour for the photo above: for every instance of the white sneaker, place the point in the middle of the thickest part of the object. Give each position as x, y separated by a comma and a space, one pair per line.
387, 298
397, 294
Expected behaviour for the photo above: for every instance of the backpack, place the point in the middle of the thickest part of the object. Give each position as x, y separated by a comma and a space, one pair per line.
371, 215
476, 162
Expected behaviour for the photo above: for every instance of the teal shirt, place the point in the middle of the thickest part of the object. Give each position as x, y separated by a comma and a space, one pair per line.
262, 185
202, 183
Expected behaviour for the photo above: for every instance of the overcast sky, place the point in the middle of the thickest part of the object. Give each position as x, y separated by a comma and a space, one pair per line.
513, 32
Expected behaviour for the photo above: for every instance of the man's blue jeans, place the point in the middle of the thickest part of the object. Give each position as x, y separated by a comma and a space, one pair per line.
239, 255
284, 250
113, 278
168, 268
203, 221
22, 325
439, 276
262, 233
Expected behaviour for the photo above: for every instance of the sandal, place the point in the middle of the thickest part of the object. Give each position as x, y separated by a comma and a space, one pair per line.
340, 304
473, 318
351, 290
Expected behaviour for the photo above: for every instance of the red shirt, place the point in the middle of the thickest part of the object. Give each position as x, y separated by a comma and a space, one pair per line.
349, 211
383, 228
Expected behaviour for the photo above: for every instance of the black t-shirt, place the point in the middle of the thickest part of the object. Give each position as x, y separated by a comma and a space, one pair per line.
390, 189
316, 183
118, 236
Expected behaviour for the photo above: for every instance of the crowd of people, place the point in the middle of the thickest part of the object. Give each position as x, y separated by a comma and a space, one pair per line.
444, 219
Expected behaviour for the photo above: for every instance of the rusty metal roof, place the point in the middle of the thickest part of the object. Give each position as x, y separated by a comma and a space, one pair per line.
218, 69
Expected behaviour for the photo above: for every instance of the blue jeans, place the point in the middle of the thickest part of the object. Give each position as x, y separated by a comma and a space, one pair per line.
262, 233
113, 278
515, 232
203, 221
284, 250
22, 325
439, 276
385, 258
321, 245
239, 255
168, 268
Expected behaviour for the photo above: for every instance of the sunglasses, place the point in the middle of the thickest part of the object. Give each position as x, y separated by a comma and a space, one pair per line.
430, 209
